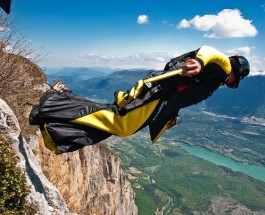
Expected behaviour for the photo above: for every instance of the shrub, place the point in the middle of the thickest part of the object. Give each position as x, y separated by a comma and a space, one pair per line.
13, 187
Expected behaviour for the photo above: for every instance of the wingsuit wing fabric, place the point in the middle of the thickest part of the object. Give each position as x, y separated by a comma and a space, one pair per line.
69, 122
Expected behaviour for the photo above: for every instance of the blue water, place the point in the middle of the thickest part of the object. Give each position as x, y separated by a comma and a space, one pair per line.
253, 171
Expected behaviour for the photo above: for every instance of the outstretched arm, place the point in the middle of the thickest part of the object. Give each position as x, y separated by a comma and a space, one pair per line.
204, 56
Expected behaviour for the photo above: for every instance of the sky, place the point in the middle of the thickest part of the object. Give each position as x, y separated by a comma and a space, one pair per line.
128, 34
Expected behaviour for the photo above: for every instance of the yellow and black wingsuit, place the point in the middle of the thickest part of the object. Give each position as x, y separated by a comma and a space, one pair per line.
69, 122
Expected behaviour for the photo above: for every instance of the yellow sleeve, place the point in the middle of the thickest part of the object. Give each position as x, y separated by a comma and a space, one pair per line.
208, 54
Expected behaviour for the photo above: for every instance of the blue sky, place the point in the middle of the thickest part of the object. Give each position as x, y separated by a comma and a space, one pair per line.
141, 33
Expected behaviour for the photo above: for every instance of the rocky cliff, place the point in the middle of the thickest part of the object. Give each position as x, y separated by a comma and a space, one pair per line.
42, 193
89, 181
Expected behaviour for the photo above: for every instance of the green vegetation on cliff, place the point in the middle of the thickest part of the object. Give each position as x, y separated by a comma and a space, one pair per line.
13, 187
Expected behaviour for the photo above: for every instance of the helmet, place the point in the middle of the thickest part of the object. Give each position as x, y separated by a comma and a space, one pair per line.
241, 68
244, 67
5, 5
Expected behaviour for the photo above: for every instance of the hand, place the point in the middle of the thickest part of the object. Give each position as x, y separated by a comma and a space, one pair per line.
192, 67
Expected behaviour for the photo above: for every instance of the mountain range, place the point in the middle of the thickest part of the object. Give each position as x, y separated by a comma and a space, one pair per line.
247, 100
69, 74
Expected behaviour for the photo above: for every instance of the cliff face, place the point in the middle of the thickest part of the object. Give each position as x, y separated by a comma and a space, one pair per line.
89, 181
42, 192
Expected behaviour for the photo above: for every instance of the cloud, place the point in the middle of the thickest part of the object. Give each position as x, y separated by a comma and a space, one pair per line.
240, 51
256, 65
226, 24
156, 60
183, 24
142, 19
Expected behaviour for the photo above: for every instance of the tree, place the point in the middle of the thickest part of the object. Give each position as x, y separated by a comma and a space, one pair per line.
15, 51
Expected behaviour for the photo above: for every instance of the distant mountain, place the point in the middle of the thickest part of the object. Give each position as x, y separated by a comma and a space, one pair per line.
71, 75
247, 100
104, 87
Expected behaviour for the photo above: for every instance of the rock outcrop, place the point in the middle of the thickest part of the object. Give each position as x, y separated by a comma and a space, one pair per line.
88, 181
43, 193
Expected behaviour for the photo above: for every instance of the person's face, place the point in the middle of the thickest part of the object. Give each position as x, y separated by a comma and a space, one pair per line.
230, 80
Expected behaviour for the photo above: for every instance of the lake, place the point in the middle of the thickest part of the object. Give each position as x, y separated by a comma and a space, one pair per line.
254, 171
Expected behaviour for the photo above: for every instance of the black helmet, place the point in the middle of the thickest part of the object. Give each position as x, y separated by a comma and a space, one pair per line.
5, 5
245, 67
240, 67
